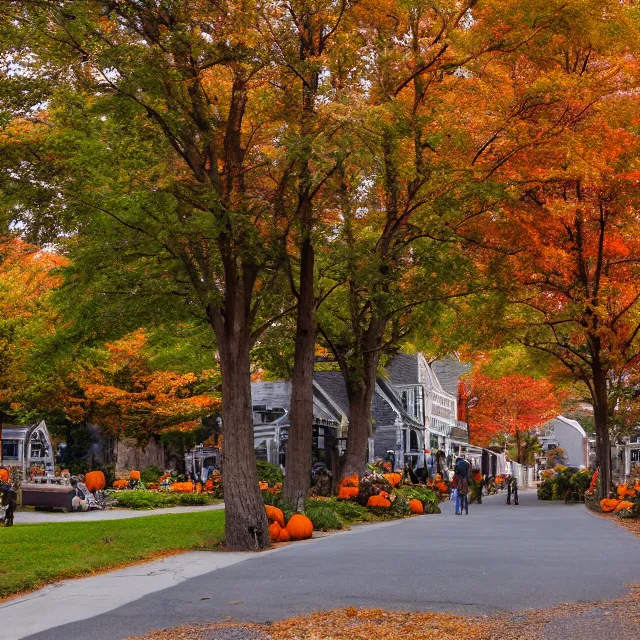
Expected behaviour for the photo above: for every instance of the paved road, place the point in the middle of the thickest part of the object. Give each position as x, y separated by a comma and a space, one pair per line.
498, 558
36, 517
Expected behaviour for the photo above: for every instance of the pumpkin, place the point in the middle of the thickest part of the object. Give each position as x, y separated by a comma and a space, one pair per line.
134, 475
624, 504
182, 487
346, 493
120, 484
622, 490
416, 506
284, 536
350, 481
394, 478
300, 527
198, 488
609, 504
263, 486
95, 481
274, 514
208, 485
378, 501
442, 487
477, 478
274, 532
153, 486
4, 475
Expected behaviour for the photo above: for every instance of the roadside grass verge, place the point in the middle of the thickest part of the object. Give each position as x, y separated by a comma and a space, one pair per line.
36, 554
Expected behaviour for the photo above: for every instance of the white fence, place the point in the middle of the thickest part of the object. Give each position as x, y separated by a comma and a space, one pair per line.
526, 476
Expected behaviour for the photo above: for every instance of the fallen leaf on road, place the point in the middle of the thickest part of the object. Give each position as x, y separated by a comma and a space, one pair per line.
236, 602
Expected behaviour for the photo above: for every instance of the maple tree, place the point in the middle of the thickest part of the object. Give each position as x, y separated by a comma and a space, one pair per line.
562, 237
509, 404
27, 278
127, 398
163, 135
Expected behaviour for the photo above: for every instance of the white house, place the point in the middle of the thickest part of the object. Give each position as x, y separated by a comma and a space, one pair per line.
569, 435
26, 447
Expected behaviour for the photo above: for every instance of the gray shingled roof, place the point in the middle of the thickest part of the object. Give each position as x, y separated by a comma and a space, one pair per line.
448, 371
403, 369
333, 384
277, 394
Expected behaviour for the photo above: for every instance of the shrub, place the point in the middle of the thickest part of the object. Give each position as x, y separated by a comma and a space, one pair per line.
351, 512
427, 496
323, 515
140, 499
151, 474
268, 472
565, 483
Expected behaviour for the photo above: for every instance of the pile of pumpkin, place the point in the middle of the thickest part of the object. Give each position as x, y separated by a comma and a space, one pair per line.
375, 496
299, 526
627, 503
121, 483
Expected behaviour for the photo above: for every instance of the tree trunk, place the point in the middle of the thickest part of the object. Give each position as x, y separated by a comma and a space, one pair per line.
603, 441
299, 446
245, 519
359, 430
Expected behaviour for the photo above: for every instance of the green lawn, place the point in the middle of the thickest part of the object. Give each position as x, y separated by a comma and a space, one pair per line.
34, 554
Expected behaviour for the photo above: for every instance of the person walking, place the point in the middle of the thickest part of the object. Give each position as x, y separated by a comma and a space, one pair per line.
462, 470
514, 489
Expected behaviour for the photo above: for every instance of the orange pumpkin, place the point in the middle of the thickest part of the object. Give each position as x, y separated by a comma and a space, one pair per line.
416, 506
274, 532
346, 493
300, 527
442, 487
263, 486
623, 504
198, 488
284, 536
120, 484
394, 478
477, 478
609, 504
622, 490
378, 501
134, 475
4, 475
95, 481
274, 514
350, 481
182, 487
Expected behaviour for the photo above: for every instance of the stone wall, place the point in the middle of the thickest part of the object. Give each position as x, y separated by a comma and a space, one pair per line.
130, 456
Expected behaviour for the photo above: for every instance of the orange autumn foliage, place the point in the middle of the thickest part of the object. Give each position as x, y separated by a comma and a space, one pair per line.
128, 398
510, 402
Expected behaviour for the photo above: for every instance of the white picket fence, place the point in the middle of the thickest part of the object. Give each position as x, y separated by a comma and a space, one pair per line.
525, 475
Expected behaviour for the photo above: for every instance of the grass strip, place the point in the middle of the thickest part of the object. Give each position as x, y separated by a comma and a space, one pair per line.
36, 554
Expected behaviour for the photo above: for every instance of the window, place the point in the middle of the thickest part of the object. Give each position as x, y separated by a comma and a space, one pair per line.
413, 441
405, 400
10, 449
635, 455
418, 404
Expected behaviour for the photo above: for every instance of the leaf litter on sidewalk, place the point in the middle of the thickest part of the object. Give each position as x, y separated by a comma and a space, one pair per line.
586, 621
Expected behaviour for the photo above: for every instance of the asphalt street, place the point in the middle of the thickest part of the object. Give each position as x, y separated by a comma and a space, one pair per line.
497, 558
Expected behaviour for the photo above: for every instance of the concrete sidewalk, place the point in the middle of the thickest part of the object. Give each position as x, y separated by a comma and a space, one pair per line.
35, 517
74, 600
